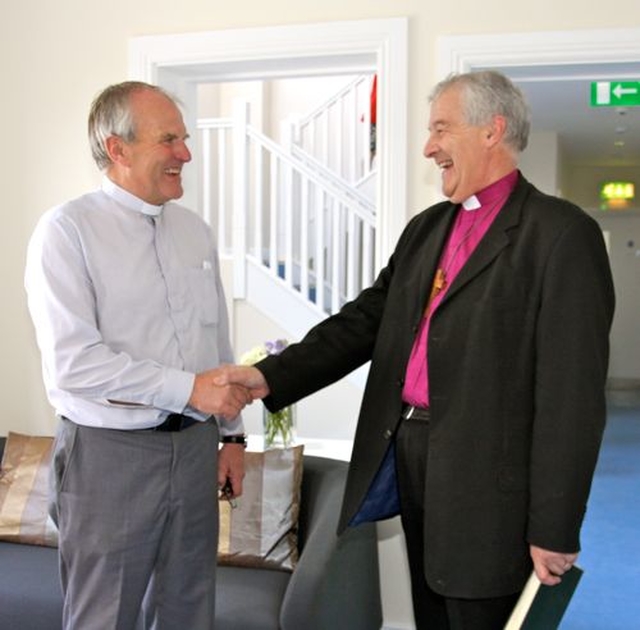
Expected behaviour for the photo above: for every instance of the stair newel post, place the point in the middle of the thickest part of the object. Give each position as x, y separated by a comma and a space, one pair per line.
241, 178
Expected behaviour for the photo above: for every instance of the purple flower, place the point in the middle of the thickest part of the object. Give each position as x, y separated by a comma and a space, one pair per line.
276, 347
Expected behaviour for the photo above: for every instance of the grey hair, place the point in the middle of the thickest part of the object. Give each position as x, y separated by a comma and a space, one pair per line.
486, 94
111, 115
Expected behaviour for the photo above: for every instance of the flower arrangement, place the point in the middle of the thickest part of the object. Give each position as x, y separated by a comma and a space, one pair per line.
279, 426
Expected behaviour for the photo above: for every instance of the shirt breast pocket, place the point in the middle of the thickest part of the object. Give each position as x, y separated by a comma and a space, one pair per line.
204, 293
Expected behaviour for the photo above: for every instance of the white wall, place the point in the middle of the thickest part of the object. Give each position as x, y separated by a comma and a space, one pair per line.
624, 253
539, 161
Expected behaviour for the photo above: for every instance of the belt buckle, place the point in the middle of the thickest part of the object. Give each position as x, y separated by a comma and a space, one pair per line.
416, 413
408, 412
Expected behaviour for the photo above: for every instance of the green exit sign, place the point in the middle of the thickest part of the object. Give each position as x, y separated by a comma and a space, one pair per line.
615, 93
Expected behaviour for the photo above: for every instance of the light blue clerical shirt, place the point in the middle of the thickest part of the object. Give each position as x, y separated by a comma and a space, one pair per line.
128, 306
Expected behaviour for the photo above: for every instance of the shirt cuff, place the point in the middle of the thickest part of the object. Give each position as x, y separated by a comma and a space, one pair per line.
175, 395
232, 427
176, 390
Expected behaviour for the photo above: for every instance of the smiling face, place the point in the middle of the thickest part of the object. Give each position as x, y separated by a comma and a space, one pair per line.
150, 167
465, 153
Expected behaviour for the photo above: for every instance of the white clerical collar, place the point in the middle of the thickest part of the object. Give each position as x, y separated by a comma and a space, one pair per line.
471, 203
127, 199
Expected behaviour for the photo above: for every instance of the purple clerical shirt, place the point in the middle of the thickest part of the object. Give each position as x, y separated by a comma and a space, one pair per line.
474, 218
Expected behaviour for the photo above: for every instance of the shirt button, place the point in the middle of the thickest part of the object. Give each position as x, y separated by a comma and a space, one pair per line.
387, 434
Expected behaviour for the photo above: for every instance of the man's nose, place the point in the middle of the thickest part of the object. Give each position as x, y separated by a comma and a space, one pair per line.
182, 152
429, 149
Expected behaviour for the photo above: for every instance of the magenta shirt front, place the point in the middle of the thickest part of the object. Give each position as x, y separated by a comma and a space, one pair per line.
468, 230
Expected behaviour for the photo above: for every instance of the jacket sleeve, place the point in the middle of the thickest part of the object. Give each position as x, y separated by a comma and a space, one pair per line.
572, 345
329, 351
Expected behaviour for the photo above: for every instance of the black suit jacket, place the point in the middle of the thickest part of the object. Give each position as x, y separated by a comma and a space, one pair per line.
518, 357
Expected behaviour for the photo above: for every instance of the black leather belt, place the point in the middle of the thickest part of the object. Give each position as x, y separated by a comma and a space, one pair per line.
416, 413
175, 422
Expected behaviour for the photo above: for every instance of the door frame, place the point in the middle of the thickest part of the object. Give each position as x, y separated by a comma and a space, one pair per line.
179, 62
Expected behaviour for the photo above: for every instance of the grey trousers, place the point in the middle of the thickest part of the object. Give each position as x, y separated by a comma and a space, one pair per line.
137, 514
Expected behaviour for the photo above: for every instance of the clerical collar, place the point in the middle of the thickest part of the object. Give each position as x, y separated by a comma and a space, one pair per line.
471, 203
500, 188
127, 199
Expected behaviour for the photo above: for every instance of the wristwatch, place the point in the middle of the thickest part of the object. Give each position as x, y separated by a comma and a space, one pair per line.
234, 439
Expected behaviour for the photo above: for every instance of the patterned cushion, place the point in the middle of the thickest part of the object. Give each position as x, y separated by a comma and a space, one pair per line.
24, 490
261, 531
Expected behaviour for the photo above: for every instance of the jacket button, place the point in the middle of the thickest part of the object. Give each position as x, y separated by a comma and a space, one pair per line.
387, 434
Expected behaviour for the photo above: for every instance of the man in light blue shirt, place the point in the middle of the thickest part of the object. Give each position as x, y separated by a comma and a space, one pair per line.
125, 295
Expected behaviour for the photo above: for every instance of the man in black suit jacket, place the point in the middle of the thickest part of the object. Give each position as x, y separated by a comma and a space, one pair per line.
487, 334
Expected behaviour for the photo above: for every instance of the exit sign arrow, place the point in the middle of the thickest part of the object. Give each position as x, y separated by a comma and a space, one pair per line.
615, 94
620, 91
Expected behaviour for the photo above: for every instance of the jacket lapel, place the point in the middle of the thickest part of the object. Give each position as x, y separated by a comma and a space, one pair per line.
494, 241
429, 255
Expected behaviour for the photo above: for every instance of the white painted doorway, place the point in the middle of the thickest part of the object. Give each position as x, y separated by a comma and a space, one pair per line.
180, 62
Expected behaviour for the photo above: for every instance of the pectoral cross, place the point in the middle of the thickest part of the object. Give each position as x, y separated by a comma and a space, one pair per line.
439, 284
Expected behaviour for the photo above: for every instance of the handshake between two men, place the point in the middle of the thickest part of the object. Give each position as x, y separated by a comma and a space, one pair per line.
225, 391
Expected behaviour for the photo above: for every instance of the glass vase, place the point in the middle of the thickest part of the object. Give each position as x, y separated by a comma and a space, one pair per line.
279, 427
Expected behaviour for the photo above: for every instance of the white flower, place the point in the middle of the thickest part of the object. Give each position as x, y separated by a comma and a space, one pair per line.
278, 424
253, 356
260, 352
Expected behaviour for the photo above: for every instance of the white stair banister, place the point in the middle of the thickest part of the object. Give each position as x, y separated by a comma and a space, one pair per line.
310, 230
342, 122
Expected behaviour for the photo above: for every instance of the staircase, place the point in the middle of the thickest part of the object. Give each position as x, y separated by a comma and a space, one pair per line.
294, 216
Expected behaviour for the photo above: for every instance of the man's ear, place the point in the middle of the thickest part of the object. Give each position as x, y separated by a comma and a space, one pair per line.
116, 149
496, 130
